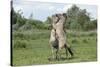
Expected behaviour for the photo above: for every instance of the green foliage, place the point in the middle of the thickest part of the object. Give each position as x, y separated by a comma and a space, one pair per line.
81, 34
20, 44
21, 23
74, 41
75, 26
31, 43
26, 26
49, 20
31, 34
13, 16
29, 51
90, 25
79, 19
85, 41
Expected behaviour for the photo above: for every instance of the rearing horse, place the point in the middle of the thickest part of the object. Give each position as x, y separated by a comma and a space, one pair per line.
58, 35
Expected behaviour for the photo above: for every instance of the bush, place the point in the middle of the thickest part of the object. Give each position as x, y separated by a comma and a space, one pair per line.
71, 34
74, 41
26, 27
18, 35
79, 34
15, 26
20, 44
26, 35
85, 40
92, 34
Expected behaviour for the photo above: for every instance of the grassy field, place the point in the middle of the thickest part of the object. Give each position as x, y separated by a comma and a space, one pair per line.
31, 47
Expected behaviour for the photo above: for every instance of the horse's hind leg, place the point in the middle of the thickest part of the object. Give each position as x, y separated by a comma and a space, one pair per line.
56, 54
59, 54
66, 51
69, 49
52, 53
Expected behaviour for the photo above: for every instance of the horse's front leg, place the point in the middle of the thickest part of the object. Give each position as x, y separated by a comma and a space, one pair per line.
56, 54
59, 54
51, 57
52, 49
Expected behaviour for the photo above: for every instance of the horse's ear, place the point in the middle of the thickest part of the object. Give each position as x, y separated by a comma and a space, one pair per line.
65, 15
56, 15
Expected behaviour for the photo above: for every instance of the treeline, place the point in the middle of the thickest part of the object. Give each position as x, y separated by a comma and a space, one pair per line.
78, 19
19, 22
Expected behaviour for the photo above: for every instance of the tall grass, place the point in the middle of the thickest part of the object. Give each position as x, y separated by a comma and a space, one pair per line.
29, 49
33, 35
21, 39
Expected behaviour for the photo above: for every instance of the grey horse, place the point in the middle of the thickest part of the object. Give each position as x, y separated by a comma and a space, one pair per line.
58, 36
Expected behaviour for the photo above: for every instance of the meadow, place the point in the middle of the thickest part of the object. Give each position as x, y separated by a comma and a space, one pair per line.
31, 47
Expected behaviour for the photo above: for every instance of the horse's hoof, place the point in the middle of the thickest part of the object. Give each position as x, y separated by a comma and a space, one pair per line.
49, 59
57, 59
71, 57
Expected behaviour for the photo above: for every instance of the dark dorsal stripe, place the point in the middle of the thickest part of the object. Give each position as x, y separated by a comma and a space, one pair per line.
58, 18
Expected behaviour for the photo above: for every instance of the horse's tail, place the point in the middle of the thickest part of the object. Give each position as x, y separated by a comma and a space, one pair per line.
69, 49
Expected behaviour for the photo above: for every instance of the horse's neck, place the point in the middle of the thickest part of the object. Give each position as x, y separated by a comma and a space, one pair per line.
59, 25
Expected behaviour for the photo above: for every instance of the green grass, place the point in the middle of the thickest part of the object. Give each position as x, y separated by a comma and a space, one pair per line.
36, 48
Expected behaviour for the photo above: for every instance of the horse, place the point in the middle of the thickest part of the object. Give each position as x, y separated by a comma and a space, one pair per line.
58, 36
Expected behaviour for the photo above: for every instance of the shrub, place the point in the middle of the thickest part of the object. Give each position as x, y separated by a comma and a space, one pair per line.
74, 41
26, 35
92, 34
26, 27
85, 40
18, 35
15, 26
20, 44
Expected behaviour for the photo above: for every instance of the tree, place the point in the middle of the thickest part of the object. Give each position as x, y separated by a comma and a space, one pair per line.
72, 14
73, 11
83, 17
48, 23
13, 16
78, 19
